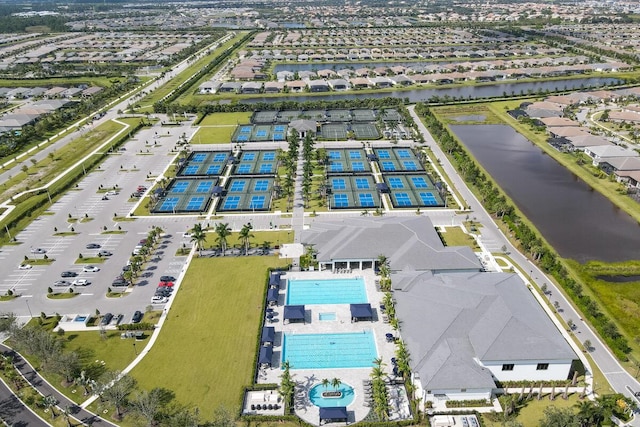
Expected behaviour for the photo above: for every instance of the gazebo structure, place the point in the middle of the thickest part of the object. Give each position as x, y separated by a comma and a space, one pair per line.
265, 356
361, 312
274, 279
294, 313
332, 415
272, 296
268, 335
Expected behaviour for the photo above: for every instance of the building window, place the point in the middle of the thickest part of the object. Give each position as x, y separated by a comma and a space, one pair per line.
542, 366
507, 367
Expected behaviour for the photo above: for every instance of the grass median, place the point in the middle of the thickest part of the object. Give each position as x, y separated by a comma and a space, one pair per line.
206, 349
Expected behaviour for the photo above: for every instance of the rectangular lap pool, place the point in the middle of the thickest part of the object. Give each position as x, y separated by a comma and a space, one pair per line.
318, 351
334, 291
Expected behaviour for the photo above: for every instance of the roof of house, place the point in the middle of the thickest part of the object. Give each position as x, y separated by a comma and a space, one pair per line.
604, 151
623, 163
587, 140
410, 243
558, 121
451, 320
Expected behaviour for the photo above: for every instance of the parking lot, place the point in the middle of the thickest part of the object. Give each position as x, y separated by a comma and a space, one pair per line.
84, 216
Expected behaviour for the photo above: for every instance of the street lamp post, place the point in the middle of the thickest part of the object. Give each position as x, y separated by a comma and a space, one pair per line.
134, 348
29, 308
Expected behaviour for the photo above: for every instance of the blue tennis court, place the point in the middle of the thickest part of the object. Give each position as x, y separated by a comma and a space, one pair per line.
261, 185
419, 182
266, 168
340, 201
402, 199
204, 164
269, 156
338, 183
366, 200
357, 166
404, 154
169, 204
250, 193
231, 202
279, 128
410, 165
408, 190
244, 168
179, 187
248, 156
362, 183
204, 187
334, 155
191, 170
428, 199
278, 136
186, 195
355, 155
214, 170
195, 203
388, 166
246, 129
237, 186
336, 167
257, 202
242, 138
383, 154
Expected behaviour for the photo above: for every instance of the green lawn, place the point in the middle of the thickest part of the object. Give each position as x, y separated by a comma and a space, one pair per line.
217, 119
213, 135
531, 414
454, 236
272, 237
206, 350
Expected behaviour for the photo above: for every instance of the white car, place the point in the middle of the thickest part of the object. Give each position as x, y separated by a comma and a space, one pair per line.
90, 269
39, 251
157, 299
81, 282
111, 193
25, 267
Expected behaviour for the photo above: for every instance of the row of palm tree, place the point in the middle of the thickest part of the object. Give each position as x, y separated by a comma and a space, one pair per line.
223, 231
379, 396
334, 382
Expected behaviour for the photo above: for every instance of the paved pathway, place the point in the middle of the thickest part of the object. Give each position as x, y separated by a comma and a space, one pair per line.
46, 389
14, 413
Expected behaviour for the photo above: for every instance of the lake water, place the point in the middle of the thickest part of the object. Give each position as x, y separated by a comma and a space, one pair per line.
579, 222
460, 92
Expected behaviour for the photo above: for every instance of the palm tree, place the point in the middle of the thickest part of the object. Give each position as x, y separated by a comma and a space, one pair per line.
222, 231
50, 402
198, 236
245, 236
335, 382
325, 382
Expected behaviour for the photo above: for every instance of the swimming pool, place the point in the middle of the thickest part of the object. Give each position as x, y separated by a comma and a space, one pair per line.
334, 291
345, 399
320, 351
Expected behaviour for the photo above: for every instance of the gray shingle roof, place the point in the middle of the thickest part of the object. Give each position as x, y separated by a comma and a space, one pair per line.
450, 320
410, 243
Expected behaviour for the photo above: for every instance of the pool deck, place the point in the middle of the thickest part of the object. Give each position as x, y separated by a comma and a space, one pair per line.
307, 378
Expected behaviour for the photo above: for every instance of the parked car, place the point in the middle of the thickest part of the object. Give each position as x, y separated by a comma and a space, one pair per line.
116, 319
106, 319
81, 282
93, 246
38, 251
137, 317
68, 274
112, 193
25, 267
119, 283
157, 299
61, 283
167, 279
90, 269
104, 253
126, 268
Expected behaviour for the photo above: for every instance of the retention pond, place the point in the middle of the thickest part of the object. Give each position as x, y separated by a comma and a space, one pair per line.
579, 222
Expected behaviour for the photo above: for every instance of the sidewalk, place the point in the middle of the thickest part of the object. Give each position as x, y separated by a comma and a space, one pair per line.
44, 388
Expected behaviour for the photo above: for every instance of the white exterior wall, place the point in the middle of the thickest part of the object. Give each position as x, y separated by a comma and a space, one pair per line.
526, 370
457, 394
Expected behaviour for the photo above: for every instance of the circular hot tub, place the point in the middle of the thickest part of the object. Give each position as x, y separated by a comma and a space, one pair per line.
329, 396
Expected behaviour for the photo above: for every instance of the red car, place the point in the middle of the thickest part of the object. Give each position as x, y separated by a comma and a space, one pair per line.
167, 284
